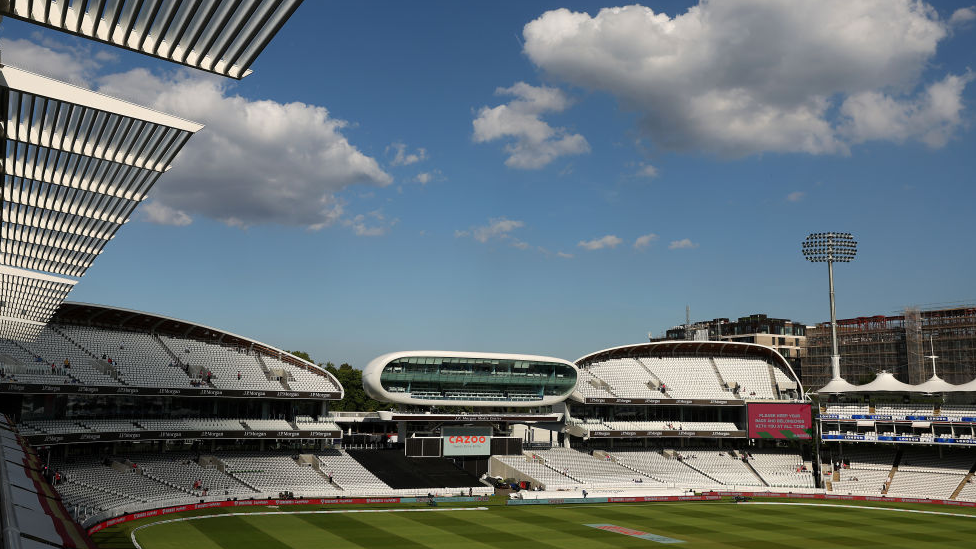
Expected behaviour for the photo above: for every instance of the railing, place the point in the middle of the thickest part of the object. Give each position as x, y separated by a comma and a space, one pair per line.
95, 518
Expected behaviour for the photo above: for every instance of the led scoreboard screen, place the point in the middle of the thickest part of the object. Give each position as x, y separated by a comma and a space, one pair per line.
780, 421
466, 441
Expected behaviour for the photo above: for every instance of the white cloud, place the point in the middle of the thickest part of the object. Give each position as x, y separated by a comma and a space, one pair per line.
256, 161
645, 240
683, 244
962, 17
164, 215
795, 196
360, 228
564, 255
609, 241
499, 227
426, 177
931, 117
380, 225
53, 59
646, 170
404, 158
535, 143
739, 77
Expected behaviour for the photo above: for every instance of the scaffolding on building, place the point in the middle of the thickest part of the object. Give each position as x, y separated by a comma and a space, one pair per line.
896, 344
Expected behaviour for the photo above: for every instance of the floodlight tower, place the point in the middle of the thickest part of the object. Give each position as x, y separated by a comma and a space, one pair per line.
828, 248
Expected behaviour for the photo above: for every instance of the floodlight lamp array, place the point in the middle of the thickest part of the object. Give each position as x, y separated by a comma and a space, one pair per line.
829, 247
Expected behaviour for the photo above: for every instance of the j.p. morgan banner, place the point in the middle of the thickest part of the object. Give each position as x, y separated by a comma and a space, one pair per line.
466, 441
653, 434
71, 438
669, 401
38, 388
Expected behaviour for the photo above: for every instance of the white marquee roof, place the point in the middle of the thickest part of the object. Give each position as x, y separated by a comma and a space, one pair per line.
886, 382
219, 36
936, 384
76, 164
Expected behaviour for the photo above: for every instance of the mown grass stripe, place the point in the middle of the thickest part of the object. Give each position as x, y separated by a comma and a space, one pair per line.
704, 525
177, 536
450, 535
296, 532
510, 532
235, 533
551, 525
363, 532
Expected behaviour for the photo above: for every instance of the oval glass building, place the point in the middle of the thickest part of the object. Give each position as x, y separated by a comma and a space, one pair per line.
439, 378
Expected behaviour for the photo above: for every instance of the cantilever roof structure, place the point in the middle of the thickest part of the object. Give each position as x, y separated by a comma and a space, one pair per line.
75, 165
219, 36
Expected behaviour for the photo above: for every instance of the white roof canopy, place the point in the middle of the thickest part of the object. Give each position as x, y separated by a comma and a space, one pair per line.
219, 36
838, 385
936, 384
76, 164
886, 382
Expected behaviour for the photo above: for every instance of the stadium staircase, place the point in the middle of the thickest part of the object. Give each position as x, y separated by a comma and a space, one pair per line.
562, 472
402, 472
685, 462
894, 469
282, 377
206, 461
772, 380
964, 482
96, 362
754, 471
127, 466
721, 381
313, 461
159, 341
600, 454
656, 381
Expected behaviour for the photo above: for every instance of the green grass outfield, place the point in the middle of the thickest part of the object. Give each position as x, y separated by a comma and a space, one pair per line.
697, 524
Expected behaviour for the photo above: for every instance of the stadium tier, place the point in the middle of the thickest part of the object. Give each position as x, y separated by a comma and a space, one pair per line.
877, 419
662, 470
99, 486
90, 349
882, 470
689, 372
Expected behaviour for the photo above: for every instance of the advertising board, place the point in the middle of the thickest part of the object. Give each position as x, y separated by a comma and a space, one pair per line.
466, 441
780, 421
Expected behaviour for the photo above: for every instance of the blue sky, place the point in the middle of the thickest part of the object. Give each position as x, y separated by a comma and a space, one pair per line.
476, 176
